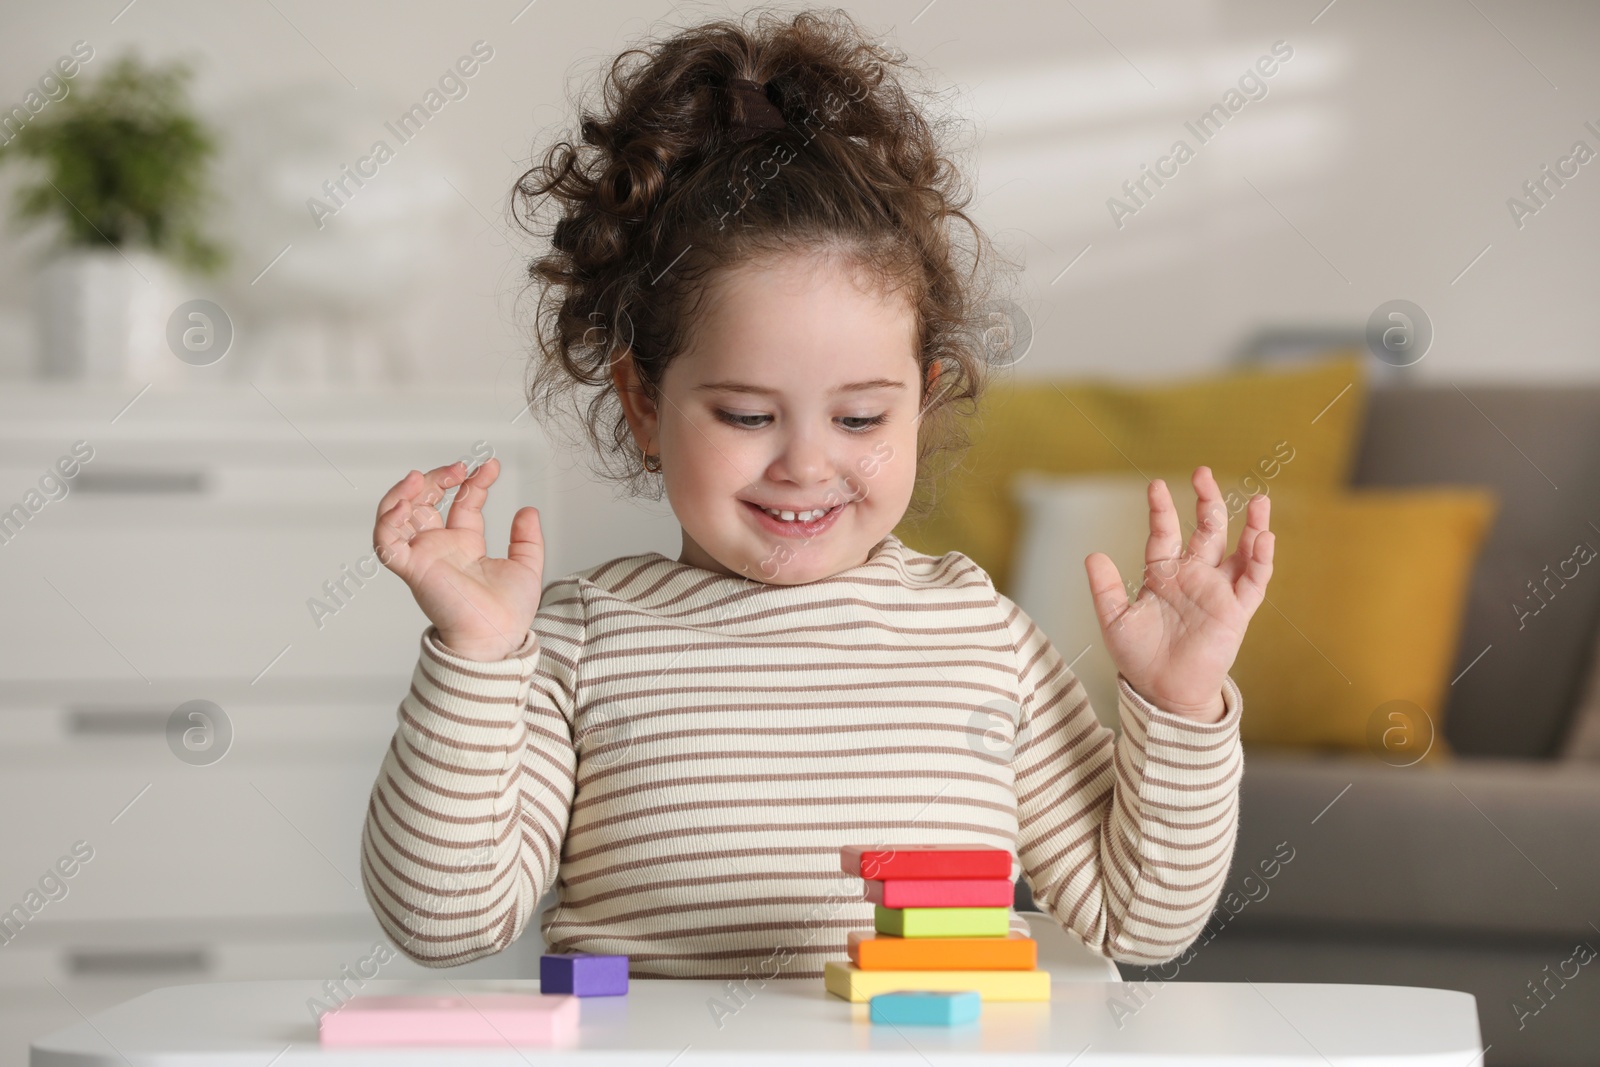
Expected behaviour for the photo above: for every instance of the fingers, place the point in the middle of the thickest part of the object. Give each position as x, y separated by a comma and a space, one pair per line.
407, 509
392, 537
1251, 588
437, 482
405, 488
1105, 588
466, 511
1209, 541
430, 487
1165, 534
527, 539
1256, 516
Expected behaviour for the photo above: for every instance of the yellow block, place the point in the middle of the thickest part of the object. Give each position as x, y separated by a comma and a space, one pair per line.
852, 983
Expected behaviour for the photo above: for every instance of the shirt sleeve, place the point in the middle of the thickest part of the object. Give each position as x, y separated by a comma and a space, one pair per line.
465, 823
1126, 839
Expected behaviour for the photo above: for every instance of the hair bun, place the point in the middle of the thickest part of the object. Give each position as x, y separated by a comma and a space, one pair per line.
751, 111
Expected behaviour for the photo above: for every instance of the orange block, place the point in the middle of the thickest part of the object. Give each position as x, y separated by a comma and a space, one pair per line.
873, 951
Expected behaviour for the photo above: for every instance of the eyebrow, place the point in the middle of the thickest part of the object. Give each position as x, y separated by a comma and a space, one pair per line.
746, 387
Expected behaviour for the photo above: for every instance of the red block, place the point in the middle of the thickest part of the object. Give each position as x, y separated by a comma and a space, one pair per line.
942, 892
889, 862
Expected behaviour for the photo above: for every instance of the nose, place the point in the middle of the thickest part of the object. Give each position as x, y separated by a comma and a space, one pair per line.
804, 459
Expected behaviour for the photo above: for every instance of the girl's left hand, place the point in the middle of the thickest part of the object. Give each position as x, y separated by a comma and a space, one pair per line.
1176, 641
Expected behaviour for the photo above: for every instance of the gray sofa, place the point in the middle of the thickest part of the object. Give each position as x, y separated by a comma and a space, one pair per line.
1481, 875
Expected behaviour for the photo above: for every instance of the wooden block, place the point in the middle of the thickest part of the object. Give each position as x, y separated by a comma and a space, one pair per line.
852, 983
925, 861
480, 1019
941, 922
920, 1007
883, 952
942, 892
583, 974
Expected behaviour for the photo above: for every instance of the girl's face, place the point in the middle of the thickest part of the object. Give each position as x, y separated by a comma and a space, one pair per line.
799, 391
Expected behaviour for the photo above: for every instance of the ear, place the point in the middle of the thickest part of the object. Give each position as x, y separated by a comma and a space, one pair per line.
934, 370
639, 409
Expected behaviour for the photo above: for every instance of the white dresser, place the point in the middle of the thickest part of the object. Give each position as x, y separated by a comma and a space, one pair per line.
181, 564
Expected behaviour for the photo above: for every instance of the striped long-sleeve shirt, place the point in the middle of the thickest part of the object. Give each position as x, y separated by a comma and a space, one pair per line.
682, 754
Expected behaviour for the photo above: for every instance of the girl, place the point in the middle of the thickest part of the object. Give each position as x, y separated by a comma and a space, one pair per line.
756, 277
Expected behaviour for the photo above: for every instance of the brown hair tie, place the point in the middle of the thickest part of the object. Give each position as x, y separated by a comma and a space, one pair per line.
751, 114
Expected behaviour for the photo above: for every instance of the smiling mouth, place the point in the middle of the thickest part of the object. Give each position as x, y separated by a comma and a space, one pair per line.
819, 519
792, 515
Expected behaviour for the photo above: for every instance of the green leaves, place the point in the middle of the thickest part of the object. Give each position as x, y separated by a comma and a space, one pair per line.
124, 162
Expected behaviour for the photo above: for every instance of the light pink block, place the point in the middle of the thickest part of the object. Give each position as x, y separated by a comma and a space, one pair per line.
482, 1019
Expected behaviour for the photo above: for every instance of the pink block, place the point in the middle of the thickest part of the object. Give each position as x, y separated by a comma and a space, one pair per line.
941, 892
482, 1019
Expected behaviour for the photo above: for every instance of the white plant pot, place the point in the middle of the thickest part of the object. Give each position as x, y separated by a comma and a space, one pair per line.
102, 317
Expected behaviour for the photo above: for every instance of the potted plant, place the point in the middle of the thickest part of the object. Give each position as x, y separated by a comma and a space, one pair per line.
121, 166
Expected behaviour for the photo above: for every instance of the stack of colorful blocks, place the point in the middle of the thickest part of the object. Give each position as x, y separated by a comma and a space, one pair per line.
941, 924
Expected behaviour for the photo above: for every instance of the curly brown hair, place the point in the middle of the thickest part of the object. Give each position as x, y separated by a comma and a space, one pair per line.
676, 176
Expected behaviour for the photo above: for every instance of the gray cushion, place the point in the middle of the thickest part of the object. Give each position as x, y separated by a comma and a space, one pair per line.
1516, 700
1493, 846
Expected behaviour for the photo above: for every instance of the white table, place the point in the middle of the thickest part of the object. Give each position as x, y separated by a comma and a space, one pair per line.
794, 1023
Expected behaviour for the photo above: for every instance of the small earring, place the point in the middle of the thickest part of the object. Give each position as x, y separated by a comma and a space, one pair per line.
652, 463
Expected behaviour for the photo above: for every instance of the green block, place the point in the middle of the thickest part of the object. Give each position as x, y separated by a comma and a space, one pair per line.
941, 922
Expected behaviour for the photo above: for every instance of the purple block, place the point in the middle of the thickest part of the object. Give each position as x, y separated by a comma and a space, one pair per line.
583, 974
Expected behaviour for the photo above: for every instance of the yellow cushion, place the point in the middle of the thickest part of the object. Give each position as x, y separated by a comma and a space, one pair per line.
1229, 422
1365, 608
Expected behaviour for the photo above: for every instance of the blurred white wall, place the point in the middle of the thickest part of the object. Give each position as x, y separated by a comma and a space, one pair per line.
1377, 166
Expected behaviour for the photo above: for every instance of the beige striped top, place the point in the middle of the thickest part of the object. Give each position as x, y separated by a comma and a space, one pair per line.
683, 753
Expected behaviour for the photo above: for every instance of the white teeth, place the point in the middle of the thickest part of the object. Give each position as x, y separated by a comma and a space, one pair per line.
803, 516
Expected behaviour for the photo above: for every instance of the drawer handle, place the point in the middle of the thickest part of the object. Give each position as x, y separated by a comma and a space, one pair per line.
136, 481
116, 962
116, 721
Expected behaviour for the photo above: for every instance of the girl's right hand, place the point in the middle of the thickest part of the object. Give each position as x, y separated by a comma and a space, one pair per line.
482, 607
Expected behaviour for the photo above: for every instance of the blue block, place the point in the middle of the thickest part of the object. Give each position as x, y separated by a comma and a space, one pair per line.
583, 974
921, 1007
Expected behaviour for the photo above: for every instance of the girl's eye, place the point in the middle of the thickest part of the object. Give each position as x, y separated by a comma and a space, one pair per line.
737, 420
867, 421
